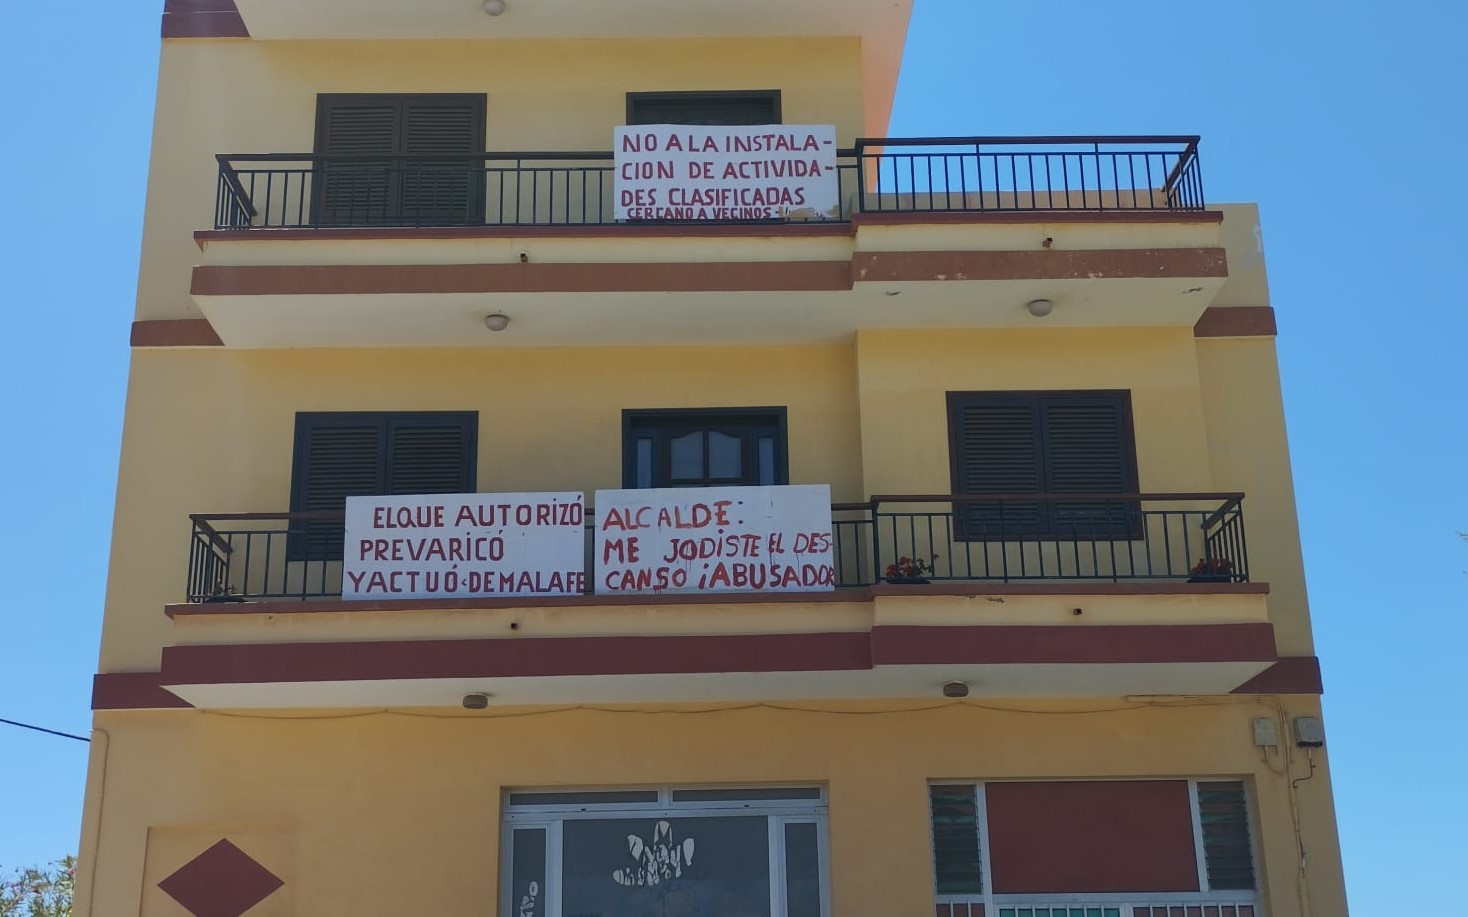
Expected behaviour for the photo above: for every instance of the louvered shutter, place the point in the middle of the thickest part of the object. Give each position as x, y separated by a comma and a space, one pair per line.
412, 184
1087, 450
957, 865
1224, 815
437, 191
362, 454
429, 456
1043, 443
335, 459
356, 190
997, 451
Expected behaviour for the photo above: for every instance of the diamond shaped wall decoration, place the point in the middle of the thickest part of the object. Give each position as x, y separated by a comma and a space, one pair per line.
223, 881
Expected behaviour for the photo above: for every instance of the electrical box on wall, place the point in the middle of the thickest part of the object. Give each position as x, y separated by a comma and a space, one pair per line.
1309, 733
1266, 732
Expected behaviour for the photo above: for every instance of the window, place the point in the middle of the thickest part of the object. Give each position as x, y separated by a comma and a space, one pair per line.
1104, 846
750, 850
704, 448
1053, 443
712, 108
388, 160
340, 455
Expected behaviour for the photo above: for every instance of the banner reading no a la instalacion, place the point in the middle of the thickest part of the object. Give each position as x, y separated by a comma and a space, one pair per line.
759, 172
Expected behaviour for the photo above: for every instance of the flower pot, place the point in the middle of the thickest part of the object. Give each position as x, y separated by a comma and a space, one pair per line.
1211, 578
908, 580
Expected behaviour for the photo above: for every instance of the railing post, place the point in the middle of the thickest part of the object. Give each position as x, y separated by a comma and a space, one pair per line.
873, 513
1238, 521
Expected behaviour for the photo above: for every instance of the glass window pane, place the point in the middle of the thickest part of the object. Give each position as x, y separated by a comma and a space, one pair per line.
802, 871
728, 795
687, 456
766, 460
680, 867
644, 462
582, 798
527, 873
726, 455
956, 855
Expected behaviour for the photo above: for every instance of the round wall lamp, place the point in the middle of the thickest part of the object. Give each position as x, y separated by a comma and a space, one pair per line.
476, 701
496, 321
494, 7
1040, 308
955, 689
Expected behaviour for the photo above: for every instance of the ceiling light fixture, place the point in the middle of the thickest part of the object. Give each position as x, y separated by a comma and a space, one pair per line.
496, 321
494, 7
1040, 308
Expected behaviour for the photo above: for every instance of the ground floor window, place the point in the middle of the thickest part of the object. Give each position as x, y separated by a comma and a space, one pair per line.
684, 852
1114, 848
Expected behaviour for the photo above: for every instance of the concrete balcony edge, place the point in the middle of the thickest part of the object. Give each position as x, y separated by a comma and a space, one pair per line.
856, 594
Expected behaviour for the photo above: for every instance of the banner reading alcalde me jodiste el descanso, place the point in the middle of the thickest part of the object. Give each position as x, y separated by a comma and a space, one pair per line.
715, 539
759, 172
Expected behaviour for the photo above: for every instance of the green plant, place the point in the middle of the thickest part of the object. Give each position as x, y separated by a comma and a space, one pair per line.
39, 891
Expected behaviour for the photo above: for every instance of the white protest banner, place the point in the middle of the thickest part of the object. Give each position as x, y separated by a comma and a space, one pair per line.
464, 546
715, 539
761, 172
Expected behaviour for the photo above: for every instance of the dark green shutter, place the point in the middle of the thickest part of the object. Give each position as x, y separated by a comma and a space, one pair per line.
437, 191
998, 452
401, 188
429, 457
1087, 450
1224, 814
1042, 443
333, 461
344, 455
355, 191
957, 866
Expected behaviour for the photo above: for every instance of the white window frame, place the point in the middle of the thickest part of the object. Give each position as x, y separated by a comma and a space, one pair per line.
1205, 896
552, 817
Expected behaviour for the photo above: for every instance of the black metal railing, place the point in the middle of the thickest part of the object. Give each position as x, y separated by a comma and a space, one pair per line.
1102, 537
984, 174
1196, 538
297, 190
933, 174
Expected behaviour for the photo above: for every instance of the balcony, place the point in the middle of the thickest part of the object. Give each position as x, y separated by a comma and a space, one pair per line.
1056, 542
1029, 595
312, 252
888, 177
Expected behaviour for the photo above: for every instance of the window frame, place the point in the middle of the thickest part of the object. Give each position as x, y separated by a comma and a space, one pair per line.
1047, 529
772, 96
992, 901
692, 419
550, 817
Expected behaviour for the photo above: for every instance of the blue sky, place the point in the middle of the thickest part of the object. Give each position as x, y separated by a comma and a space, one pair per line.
1345, 121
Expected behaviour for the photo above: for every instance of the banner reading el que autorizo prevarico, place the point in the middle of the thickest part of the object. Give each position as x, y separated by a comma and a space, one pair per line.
464, 546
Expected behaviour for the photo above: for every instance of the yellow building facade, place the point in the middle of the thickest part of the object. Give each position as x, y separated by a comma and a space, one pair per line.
382, 257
